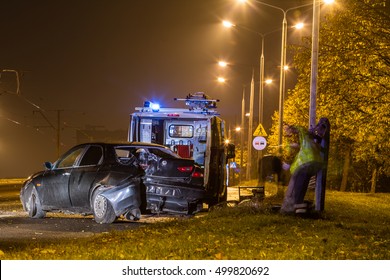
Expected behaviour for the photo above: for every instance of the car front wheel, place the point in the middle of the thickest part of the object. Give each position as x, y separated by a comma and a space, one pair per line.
102, 209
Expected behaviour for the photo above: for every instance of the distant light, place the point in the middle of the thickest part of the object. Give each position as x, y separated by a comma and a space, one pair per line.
299, 25
241, 1
238, 129
247, 114
285, 67
222, 63
328, 1
155, 107
221, 80
227, 141
227, 24
268, 81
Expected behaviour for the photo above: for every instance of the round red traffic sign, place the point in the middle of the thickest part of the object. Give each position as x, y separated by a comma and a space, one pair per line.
259, 143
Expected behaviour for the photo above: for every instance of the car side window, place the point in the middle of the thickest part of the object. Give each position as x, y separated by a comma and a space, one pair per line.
93, 156
69, 160
124, 156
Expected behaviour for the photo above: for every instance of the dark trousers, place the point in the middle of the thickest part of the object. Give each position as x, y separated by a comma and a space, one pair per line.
298, 184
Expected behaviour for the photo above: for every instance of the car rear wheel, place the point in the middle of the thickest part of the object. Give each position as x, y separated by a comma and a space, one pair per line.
35, 208
102, 209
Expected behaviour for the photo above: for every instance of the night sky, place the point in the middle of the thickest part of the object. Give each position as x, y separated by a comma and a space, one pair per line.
96, 60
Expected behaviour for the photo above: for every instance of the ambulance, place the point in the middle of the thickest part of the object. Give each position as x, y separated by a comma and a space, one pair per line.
195, 131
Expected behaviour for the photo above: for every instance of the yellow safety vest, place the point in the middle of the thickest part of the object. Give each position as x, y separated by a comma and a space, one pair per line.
309, 151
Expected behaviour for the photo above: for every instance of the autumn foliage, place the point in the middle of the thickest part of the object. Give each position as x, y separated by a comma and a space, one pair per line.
353, 92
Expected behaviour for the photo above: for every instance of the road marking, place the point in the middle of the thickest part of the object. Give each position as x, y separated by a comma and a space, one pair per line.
5, 216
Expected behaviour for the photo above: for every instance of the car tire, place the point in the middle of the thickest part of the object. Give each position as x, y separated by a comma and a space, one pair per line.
102, 209
34, 207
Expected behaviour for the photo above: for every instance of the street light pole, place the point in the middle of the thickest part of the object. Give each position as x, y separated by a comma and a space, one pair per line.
261, 87
282, 78
261, 98
243, 128
282, 64
250, 128
314, 63
229, 24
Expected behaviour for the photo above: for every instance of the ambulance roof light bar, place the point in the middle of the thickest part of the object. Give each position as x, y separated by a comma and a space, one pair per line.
154, 106
199, 101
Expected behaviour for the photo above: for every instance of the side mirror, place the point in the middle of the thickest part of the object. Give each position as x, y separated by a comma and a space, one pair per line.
48, 165
231, 151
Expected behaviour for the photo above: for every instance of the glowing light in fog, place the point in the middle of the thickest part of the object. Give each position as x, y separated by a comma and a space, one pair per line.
155, 107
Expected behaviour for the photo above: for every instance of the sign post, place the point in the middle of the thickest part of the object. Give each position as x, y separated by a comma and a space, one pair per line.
259, 143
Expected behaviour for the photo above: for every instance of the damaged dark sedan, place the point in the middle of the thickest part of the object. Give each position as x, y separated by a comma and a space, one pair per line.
110, 180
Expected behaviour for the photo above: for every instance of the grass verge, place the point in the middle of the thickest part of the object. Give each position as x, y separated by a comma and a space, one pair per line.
354, 226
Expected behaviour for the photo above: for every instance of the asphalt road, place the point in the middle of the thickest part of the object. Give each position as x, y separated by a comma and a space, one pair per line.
17, 228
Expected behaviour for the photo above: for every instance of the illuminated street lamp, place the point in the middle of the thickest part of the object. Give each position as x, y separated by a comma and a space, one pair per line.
268, 81
283, 66
222, 63
250, 114
299, 25
282, 61
314, 59
221, 80
251, 102
227, 24
328, 1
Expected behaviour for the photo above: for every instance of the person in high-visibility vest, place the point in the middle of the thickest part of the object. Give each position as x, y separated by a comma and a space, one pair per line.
306, 164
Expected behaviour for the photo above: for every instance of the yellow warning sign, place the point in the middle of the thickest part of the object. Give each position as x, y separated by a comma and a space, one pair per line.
260, 131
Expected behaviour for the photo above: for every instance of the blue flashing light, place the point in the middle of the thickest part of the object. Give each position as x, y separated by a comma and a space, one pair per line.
155, 107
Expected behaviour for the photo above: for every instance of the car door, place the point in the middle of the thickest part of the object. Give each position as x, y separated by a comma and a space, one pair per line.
55, 191
84, 174
200, 142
